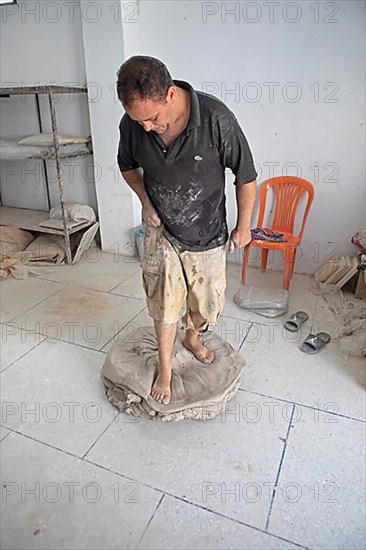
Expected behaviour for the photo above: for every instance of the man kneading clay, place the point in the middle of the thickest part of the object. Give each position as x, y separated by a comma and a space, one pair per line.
175, 144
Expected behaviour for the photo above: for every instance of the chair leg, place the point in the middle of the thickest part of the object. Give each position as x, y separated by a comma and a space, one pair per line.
264, 259
245, 263
289, 261
293, 262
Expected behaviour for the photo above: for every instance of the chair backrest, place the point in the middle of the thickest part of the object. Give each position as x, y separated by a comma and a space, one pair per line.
288, 191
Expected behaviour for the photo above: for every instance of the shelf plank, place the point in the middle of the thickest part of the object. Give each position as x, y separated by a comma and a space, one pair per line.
49, 156
24, 218
28, 90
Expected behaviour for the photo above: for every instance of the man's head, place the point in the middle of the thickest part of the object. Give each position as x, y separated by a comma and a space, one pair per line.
147, 92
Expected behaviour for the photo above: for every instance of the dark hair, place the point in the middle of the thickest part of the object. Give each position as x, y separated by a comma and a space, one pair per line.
142, 77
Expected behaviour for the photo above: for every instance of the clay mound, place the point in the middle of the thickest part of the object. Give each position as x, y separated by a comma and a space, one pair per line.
199, 391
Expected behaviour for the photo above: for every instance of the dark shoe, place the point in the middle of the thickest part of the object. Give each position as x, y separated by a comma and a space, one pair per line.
296, 321
315, 342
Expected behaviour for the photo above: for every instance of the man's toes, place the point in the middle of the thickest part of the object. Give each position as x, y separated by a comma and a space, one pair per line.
154, 394
207, 357
160, 397
166, 399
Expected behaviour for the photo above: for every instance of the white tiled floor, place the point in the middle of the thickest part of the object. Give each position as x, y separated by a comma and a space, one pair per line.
282, 468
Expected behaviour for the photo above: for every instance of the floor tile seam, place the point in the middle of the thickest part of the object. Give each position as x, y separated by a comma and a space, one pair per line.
70, 284
279, 469
41, 278
21, 357
109, 291
87, 287
122, 328
125, 296
83, 347
30, 331
235, 520
47, 339
244, 320
37, 304
315, 312
192, 503
19, 327
80, 458
305, 406
5, 436
163, 493
124, 281
53, 340
186, 501
150, 520
44, 443
245, 337
98, 438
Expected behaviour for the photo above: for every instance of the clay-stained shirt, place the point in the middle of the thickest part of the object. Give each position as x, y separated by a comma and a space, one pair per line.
186, 181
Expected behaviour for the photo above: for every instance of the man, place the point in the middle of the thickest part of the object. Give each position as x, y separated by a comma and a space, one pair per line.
175, 144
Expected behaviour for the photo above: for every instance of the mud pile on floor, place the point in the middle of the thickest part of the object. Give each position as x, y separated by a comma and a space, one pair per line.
199, 391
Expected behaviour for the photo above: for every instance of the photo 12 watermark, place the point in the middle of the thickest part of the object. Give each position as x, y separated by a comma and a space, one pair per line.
69, 491
273, 92
228, 12
72, 11
252, 492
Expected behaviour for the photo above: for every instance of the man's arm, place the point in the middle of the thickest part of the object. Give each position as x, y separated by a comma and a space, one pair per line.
135, 181
237, 156
245, 199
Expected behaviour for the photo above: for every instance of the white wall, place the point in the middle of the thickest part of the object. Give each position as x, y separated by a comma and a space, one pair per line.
41, 43
68, 42
239, 56
104, 53
319, 136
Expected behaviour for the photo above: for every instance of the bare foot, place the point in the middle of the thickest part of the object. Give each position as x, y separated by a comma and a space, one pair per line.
161, 389
192, 342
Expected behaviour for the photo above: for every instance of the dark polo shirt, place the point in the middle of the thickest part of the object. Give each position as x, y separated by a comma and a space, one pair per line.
186, 181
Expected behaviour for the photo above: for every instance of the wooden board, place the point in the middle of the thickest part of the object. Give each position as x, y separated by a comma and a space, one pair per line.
326, 270
86, 241
24, 218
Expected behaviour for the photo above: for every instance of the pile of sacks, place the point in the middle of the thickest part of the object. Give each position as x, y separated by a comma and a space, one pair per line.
21, 253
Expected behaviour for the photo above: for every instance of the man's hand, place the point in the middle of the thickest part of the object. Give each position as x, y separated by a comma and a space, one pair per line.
149, 215
239, 238
245, 198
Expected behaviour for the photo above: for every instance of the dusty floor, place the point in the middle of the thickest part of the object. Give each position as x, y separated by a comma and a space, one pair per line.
282, 468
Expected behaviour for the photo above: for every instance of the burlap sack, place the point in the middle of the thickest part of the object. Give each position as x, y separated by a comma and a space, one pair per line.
199, 391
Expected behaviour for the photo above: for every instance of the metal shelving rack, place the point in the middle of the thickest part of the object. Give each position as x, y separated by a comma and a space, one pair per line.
24, 218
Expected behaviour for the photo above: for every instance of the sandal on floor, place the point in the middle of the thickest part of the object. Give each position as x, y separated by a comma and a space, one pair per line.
296, 321
315, 342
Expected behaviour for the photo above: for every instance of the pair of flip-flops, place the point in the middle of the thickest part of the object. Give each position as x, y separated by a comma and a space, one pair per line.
313, 342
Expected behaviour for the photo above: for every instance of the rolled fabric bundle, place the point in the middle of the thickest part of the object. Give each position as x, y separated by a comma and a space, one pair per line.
74, 212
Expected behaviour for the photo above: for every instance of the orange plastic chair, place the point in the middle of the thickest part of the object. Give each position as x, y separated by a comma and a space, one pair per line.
288, 191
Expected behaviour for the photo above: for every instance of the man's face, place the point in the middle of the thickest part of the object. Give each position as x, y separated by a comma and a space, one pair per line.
153, 115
